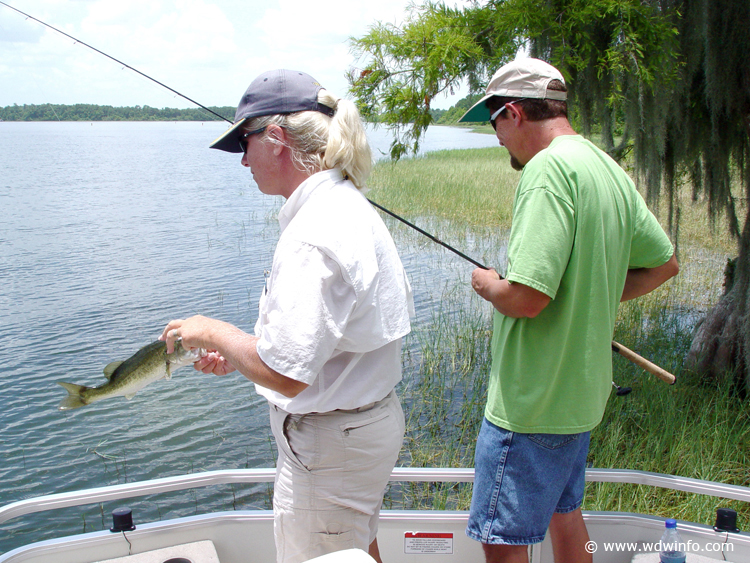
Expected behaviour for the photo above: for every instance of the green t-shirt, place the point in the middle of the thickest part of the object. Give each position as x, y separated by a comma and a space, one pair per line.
578, 226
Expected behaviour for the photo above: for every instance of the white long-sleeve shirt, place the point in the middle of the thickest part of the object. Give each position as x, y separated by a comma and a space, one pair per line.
337, 302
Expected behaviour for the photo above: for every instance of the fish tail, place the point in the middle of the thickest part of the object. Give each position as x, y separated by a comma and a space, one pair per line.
75, 396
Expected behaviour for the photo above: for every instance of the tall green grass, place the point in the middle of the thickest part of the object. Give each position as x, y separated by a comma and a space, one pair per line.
691, 429
437, 185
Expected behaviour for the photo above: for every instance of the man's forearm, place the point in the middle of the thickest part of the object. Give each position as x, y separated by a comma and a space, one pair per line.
644, 280
511, 299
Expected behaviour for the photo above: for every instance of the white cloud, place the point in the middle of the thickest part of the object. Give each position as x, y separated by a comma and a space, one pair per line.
308, 36
209, 50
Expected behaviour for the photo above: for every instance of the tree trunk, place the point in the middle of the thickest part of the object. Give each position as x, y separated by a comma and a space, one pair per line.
716, 353
721, 343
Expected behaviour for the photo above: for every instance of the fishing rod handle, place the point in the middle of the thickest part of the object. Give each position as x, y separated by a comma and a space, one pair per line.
642, 362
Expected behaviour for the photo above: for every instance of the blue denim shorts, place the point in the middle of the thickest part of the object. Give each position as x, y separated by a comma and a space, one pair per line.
521, 480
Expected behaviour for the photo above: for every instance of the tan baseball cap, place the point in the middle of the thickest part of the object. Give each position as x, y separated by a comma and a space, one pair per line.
523, 78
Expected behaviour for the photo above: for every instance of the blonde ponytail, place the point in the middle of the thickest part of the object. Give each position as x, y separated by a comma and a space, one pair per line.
319, 142
347, 147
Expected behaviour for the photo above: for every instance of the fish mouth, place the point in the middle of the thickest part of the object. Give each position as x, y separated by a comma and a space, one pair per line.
182, 357
199, 353
192, 356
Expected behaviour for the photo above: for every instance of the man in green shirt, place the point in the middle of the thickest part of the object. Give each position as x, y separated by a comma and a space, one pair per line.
582, 240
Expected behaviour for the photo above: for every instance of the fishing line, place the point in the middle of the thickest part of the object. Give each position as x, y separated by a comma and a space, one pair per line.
116, 60
616, 348
425, 233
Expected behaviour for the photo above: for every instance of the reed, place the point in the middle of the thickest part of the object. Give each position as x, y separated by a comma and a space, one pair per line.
437, 185
691, 429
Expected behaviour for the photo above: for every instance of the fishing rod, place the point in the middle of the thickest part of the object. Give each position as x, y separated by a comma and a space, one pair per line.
116, 60
425, 233
638, 360
619, 348
428, 235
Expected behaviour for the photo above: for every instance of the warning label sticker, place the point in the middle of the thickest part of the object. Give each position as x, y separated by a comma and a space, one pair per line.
428, 542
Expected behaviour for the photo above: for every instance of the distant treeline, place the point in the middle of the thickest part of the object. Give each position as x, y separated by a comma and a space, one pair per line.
452, 115
90, 112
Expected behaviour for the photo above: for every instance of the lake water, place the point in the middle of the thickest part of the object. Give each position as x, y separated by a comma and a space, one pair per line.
108, 231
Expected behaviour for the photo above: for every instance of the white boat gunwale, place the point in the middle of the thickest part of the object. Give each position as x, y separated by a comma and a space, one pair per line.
255, 526
399, 474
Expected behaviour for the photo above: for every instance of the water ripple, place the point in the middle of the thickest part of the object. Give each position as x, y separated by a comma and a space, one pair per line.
120, 228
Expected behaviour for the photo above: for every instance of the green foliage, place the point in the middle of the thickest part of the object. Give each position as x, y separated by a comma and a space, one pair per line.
706, 139
609, 51
671, 78
472, 186
90, 112
618, 56
408, 67
455, 113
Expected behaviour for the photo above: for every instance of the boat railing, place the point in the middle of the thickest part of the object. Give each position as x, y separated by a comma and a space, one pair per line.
399, 474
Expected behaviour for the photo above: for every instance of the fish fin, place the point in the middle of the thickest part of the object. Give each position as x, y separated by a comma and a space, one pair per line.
128, 397
110, 369
168, 375
74, 399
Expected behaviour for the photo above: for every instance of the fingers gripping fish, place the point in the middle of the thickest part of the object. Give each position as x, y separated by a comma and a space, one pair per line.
126, 378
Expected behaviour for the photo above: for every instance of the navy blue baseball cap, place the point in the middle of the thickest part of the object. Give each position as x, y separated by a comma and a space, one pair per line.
275, 92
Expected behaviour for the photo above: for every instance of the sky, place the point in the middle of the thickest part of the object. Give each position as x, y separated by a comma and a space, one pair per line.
208, 50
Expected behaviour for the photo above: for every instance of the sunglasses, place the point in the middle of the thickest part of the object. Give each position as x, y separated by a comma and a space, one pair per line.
495, 115
243, 138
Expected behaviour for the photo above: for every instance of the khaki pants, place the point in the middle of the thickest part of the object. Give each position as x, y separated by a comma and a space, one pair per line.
331, 473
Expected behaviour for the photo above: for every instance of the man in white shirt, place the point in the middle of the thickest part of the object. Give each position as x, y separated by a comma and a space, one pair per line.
327, 346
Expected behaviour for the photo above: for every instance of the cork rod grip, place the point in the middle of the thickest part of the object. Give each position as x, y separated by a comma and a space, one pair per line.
642, 362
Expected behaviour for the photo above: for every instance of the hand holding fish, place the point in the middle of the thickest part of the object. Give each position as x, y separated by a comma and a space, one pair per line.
196, 332
200, 332
231, 349
215, 363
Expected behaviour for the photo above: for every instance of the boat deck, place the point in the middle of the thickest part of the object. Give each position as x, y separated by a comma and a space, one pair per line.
405, 535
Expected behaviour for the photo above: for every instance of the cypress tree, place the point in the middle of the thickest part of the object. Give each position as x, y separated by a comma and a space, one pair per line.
673, 75
712, 111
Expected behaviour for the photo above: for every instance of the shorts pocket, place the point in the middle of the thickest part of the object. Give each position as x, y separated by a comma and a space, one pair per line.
553, 441
333, 542
289, 425
354, 425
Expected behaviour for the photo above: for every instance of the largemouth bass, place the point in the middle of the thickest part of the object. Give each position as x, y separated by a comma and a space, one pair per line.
126, 378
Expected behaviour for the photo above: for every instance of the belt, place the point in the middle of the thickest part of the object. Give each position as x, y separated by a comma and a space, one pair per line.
363, 408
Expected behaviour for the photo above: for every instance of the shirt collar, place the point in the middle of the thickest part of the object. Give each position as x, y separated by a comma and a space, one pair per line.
303, 193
